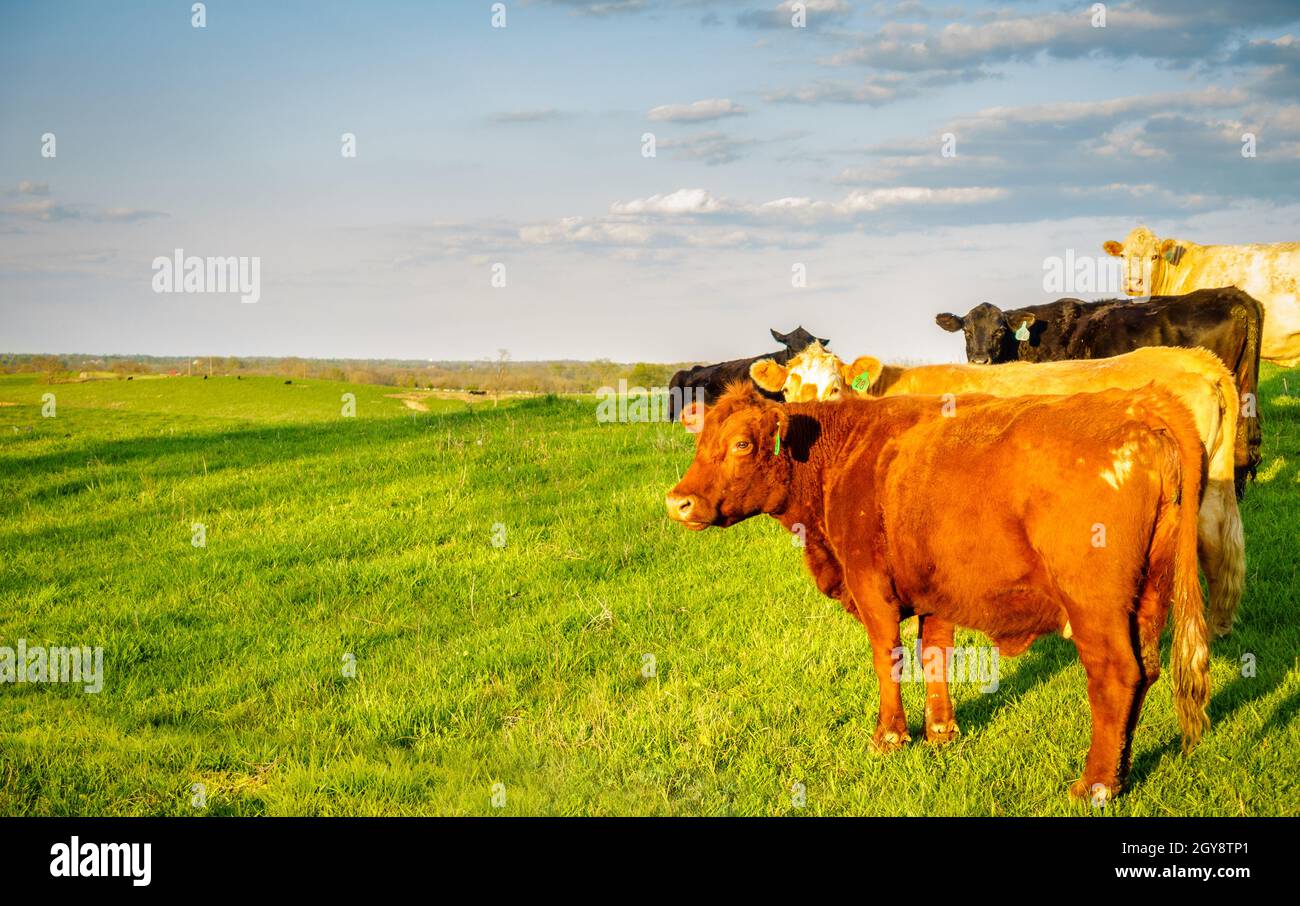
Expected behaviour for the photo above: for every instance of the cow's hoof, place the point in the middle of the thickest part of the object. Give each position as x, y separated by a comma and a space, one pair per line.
885, 740
1099, 794
941, 732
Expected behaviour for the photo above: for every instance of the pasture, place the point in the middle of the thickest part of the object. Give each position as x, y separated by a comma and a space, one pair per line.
498, 577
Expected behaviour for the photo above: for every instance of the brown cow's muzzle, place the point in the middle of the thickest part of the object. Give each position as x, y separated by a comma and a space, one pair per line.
682, 508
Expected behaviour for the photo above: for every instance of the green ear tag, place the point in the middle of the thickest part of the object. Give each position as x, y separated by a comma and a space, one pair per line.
776, 447
1023, 333
862, 381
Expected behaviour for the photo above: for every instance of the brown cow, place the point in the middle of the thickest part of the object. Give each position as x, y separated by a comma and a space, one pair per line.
1194, 376
985, 515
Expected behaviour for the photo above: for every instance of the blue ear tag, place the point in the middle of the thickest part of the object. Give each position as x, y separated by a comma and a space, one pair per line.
862, 381
1023, 333
776, 448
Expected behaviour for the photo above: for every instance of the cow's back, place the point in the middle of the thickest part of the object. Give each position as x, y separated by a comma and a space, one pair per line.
1225, 321
966, 511
1195, 377
1055, 324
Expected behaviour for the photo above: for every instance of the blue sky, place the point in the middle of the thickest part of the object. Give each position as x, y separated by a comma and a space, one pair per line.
776, 146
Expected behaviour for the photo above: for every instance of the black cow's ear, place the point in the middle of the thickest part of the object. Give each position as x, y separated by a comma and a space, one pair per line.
949, 322
824, 343
779, 337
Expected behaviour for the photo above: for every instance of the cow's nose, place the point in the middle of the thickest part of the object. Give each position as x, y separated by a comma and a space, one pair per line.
979, 360
679, 506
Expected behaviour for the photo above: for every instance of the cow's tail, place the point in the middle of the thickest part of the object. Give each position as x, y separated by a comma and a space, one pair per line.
1190, 658
1223, 512
1251, 429
1255, 334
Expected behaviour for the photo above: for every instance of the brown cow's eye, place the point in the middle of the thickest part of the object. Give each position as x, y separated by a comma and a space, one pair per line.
740, 446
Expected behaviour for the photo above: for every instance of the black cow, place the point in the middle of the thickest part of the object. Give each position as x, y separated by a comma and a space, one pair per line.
712, 380
1226, 321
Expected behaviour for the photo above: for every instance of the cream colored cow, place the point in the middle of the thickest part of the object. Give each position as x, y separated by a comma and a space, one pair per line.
1195, 376
1174, 267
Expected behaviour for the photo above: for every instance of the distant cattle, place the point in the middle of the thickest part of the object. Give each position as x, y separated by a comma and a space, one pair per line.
906, 511
1194, 376
710, 381
1226, 321
1269, 273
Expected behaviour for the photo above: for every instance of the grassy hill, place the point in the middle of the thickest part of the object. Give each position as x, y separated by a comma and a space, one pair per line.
498, 577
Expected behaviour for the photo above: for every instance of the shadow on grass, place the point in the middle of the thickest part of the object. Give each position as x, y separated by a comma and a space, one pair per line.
252, 444
1046, 657
245, 447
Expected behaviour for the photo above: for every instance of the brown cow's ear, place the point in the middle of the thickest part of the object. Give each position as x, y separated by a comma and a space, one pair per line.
1171, 251
949, 322
769, 375
693, 417
776, 425
860, 375
1111, 247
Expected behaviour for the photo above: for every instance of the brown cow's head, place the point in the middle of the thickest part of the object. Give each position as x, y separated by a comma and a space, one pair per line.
740, 468
1145, 259
990, 332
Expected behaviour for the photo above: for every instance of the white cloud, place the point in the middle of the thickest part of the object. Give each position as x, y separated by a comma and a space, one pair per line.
683, 201
47, 210
868, 201
697, 111
587, 232
1129, 32
1070, 112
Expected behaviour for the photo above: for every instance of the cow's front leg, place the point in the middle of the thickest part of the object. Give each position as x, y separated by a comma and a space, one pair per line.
936, 652
881, 620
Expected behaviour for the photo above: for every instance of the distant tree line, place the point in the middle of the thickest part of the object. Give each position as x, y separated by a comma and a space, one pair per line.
499, 375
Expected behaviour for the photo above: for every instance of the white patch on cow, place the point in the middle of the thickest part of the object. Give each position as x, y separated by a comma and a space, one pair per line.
1122, 466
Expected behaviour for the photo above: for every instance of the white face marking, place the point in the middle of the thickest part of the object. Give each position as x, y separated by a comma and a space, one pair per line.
818, 376
1141, 254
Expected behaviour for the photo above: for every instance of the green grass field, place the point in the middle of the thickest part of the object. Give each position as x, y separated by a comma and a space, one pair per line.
522, 665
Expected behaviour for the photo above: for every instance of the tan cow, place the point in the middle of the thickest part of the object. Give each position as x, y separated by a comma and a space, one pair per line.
1195, 376
1270, 273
